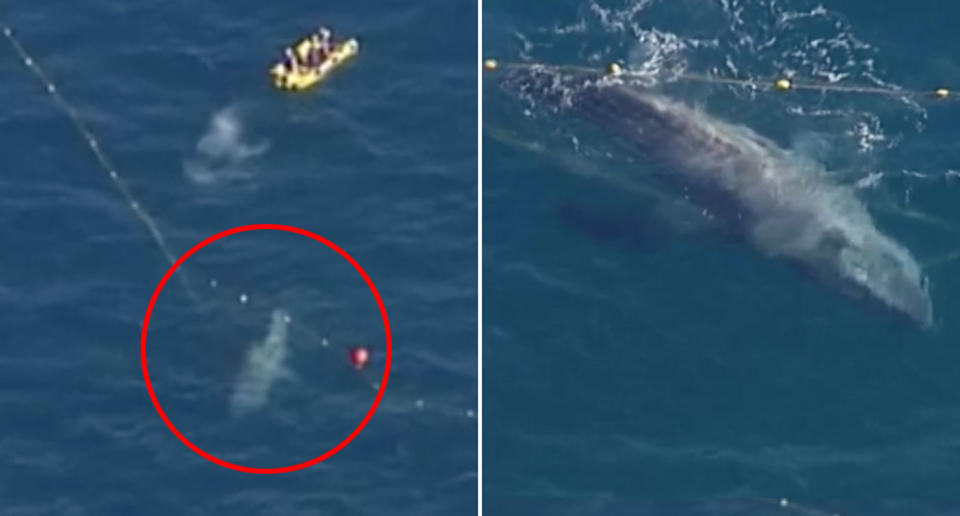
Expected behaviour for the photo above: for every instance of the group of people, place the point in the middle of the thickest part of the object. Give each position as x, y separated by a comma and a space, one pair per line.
310, 52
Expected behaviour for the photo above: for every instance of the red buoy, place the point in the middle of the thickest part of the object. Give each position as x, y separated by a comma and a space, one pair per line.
359, 357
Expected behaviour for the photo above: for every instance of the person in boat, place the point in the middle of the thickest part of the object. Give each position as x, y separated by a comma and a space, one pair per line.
304, 51
319, 47
325, 42
316, 56
291, 63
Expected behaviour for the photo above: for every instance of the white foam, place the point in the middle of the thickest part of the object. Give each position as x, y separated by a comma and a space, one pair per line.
222, 150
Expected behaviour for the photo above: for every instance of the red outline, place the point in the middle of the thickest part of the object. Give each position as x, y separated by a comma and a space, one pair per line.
153, 396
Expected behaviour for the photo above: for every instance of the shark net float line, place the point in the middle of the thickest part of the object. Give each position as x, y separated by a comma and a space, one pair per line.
782, 84
105, 164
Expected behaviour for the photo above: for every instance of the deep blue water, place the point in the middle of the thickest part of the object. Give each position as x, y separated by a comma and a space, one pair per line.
631, 369
381, 160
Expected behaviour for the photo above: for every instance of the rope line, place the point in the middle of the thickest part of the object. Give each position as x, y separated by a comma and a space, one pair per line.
778, 83
105, 164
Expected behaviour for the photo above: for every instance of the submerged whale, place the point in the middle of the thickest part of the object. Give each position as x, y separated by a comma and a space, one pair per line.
265, 362
784, 206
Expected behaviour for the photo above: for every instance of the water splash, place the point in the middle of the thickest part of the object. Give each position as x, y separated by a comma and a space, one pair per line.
221, 152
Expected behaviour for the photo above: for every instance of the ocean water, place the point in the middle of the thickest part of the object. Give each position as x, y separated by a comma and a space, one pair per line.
634, 368
380, 159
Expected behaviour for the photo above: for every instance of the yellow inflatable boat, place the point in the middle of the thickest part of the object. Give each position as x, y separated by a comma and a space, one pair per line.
308, 77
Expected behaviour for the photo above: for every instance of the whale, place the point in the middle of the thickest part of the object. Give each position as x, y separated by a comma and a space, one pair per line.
265, 362
783, 205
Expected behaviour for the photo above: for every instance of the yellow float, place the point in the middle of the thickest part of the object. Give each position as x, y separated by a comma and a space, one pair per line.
305, 77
